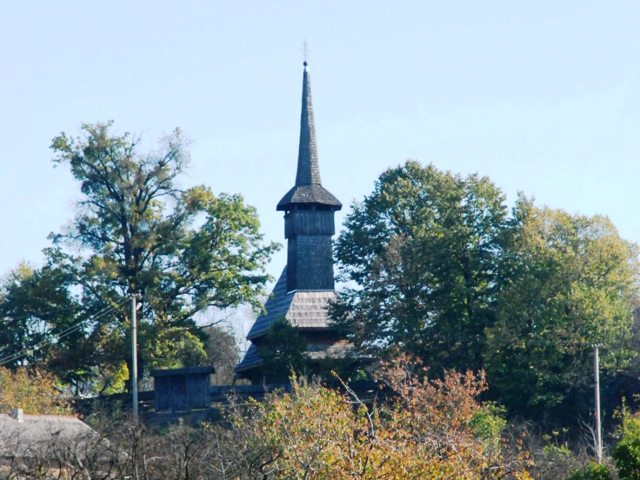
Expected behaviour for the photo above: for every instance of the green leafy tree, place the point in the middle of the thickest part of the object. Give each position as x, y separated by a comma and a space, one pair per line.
423, 250
36, 308
136, 231
283, 351
437, 268
569, 282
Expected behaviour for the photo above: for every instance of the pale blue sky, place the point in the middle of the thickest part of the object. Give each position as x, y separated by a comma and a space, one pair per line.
541, 96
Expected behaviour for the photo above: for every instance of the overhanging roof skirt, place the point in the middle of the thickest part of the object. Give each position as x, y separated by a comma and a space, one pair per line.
309, 195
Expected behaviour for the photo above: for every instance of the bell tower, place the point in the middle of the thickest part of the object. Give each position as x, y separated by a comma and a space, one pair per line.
306, 287
309, 211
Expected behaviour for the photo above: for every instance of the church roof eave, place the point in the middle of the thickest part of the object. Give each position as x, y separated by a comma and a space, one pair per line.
309, 195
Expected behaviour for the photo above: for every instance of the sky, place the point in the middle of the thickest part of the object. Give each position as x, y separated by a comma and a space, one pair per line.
542, 97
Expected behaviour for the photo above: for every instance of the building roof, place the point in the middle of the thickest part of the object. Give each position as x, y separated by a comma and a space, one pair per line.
304, 309
30, 435
169, 372
308, 188
251, 359
310, 195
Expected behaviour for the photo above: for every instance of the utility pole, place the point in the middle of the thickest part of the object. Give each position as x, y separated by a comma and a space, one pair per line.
134, 358
596, 373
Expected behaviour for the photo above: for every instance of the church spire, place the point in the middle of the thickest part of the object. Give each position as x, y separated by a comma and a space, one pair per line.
306, 287
308, 169
308, 189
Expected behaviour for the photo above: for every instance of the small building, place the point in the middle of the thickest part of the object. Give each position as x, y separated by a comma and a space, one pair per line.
306, 286
182, 389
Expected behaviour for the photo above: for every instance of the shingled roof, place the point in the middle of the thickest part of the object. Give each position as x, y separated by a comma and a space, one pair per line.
30, 435
251, 359
303, 309
309, 194
308, 188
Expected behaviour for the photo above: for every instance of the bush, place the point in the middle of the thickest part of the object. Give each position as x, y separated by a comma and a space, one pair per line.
488, 423
426, 428
592, 471
626, 453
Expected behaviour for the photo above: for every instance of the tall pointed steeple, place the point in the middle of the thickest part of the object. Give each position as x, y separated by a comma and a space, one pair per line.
308, 188
308, 169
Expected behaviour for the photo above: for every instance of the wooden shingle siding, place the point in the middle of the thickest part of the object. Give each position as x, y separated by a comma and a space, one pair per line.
318, 222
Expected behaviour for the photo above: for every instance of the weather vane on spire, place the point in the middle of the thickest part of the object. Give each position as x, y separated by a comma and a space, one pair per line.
305, 51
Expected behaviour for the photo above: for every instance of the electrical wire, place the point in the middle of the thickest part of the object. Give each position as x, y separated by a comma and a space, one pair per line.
42, 315
98, 314
60, 335
64, 333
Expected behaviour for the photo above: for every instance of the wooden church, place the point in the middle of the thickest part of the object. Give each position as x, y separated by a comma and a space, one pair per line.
306, 285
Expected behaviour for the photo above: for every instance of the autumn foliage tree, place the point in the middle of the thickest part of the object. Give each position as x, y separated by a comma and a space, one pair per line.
34, 391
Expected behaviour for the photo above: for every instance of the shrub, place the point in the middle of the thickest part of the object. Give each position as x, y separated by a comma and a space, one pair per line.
488, 423
435, 429
428, 428
592, 471
626, 453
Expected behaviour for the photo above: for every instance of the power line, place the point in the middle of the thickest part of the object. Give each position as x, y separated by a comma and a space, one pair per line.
60, 335
98, 314
41, 315
64, 333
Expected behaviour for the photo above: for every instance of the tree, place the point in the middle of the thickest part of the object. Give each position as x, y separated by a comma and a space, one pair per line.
568, 282
222, 352
283, 351
423, 250
34, 392
36, 308
137, 232
626, 453
440, 270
